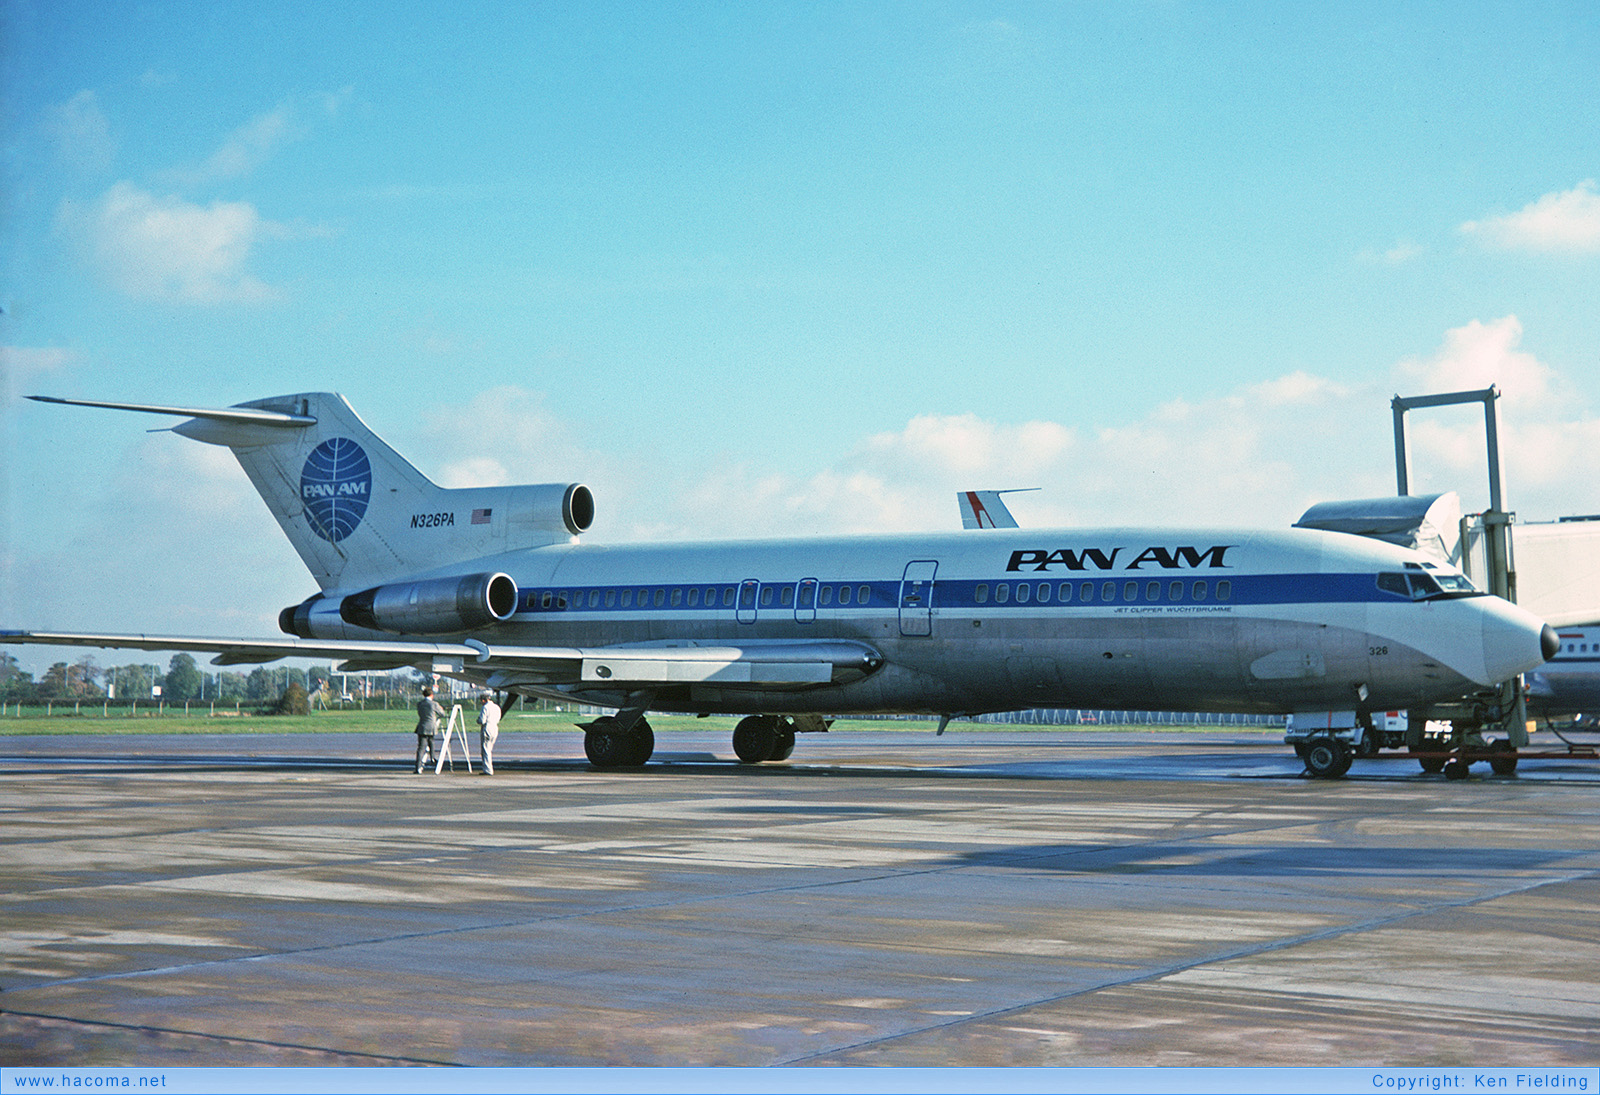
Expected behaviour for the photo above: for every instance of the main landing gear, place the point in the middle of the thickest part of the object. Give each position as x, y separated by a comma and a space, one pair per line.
625, 740
613, 742
763, 737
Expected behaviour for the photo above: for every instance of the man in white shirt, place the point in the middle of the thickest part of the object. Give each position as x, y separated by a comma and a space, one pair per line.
489, 724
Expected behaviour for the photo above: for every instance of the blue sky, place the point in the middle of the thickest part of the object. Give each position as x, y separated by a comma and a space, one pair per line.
776, 269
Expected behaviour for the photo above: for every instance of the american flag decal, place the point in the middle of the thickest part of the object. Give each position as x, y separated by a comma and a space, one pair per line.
481, 516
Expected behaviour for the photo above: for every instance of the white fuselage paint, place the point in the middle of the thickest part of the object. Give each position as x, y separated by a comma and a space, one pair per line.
1284, 621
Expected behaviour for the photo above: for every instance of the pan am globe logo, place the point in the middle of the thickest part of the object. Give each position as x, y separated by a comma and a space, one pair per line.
335, 487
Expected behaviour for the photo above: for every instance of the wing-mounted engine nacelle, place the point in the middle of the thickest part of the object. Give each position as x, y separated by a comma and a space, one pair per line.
432, 606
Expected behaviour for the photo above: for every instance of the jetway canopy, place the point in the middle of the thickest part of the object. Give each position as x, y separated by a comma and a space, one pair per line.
1556, 565
1429, 523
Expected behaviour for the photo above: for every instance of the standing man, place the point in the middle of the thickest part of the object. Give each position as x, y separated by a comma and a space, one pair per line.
428, 713
489, 723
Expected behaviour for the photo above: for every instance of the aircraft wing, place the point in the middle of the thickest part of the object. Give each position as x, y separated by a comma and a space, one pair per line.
775, 664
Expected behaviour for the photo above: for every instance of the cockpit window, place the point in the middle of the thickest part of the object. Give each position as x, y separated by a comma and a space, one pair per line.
1419, 585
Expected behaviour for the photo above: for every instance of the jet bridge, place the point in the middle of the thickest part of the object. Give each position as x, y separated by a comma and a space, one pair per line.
1550, 568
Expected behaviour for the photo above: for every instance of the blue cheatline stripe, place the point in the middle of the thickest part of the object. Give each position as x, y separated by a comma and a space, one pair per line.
1221, 587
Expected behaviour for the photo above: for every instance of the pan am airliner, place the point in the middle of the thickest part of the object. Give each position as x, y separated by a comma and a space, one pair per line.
491, 585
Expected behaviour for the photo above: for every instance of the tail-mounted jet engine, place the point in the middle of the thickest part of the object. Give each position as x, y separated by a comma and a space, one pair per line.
433, 606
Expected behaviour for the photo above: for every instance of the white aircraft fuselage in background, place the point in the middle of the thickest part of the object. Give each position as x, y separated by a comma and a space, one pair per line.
491, 585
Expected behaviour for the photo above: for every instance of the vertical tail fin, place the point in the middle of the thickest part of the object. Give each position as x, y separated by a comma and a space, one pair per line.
358, 513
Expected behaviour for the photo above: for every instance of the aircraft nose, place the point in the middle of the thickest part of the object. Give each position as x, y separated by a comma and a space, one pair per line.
1514, 640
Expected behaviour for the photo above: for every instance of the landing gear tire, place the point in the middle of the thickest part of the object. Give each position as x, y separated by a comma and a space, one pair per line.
1369, 745
640, 744
607, 746
755, 739
1430, 764
1327, 757
1457, 769
783, 749
1503, 758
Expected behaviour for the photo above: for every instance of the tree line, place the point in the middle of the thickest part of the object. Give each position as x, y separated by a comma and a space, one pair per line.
182, 682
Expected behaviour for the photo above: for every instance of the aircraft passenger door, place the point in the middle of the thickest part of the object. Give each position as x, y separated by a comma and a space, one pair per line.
745, 610
805, 601
916, 597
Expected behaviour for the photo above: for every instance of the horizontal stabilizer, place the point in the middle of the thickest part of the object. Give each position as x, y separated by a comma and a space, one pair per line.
241, 416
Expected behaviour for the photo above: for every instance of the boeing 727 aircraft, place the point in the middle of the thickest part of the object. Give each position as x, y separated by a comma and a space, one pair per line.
491, 585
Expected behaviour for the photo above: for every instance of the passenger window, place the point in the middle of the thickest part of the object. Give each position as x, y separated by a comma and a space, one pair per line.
844, 595
611, 598
594, 598
1199, 591
1064, 594
694, 596
807, 596
727, 596
627, 598
980, 595
747, 596
1023, 589
561, 600
661, 597
1043, 593
1224, 590
825, 596
1108, 591
786, 596
1152, 591
677, 596
1130, 591
766, 595
1086, 592
1002, 593
545, 598
863, 594
1175, 591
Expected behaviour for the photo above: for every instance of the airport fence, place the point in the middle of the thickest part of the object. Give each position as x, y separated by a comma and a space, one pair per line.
1076, 716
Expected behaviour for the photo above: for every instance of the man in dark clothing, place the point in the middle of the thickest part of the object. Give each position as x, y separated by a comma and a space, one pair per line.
428, 713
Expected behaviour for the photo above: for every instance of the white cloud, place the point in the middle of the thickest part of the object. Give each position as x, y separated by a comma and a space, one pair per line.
1257, 455
208, 559
20, 366
262, 137
1398, 255
1548, 441
81, 134
502, 436
1565, 221
170, 249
